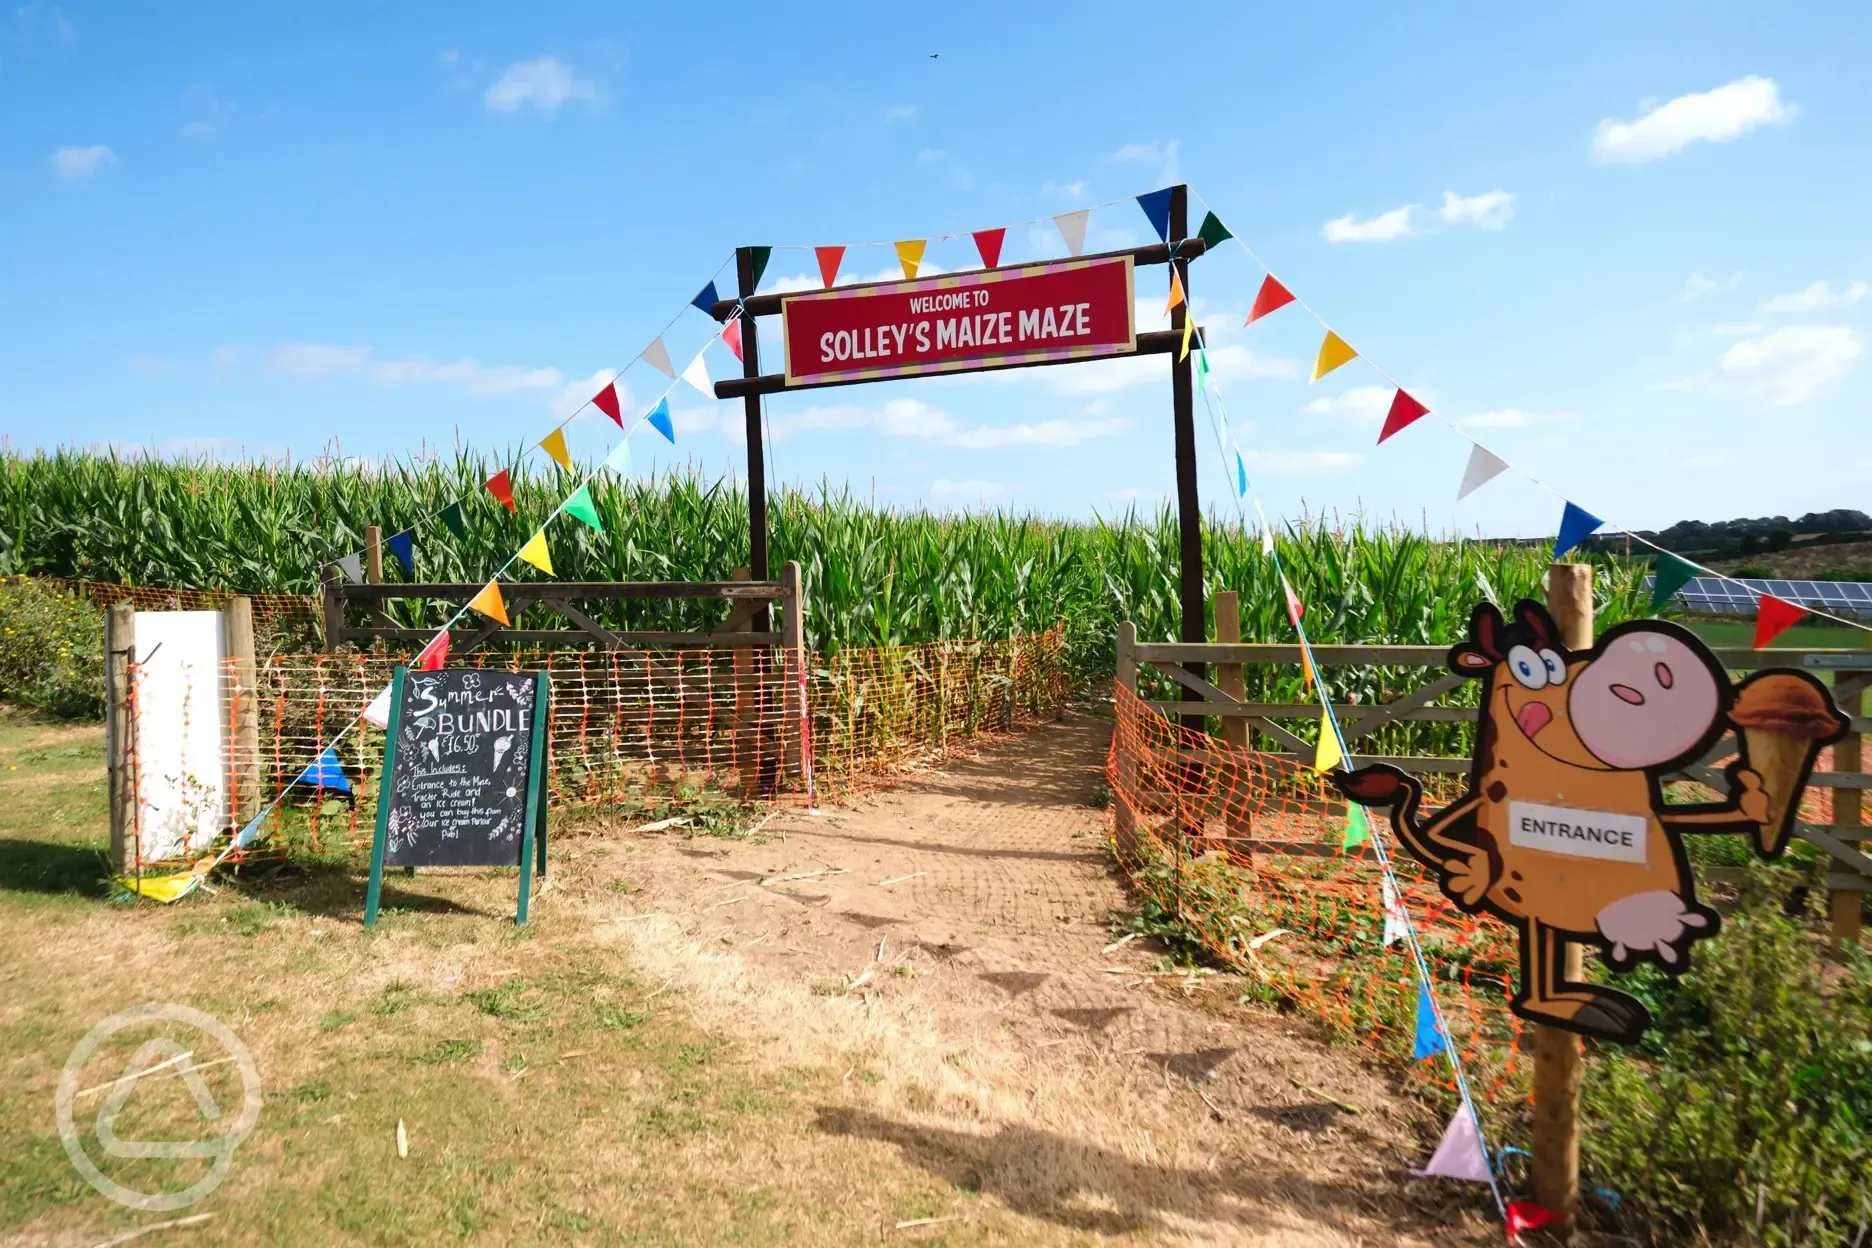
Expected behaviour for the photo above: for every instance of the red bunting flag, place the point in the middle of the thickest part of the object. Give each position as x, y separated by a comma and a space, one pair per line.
829, 258
1404, 410
988, 243
606, 401
1774, 616
433, 655
1271, 296
501, 487
731, 334
1525, 1215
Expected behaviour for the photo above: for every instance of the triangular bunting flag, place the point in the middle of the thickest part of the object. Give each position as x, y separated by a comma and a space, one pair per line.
1396, 921
1669, 575
1774, 616
488, 602
1484, 466
1327, 754
659, 419
1357, 828
1156, 206
988, 244
1213, 231
325, 772
910, 255
606, 400
1459, 1153
1429, 1039
403, 546
657, 356
1404, 410
619, 460
1295, 608
761, 256
249, 834
697, 375
1333, 352
1072, 226
353, 567
535, 552
580, 507
1189, 329
451, 518
1176, 293
433, 655
1576, 524
1271, 296
1202, 370
1241, 476
1525, 1215
731, 334
554, 445
501, 487
829, 258
1267, 538
378, 712
706, 299
1306, 667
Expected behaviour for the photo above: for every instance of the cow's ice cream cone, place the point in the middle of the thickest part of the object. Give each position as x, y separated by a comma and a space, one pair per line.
1782, 719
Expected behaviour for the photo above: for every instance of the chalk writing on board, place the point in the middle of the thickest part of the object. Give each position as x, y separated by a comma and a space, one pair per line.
458, 795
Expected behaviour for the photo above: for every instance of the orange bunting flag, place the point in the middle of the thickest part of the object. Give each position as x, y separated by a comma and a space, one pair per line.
829, 258
1404, 410
1306, 666
489, 603
501, 487
1176, 293
1774, 616
910, 255
1333, 352
606, 401
731, 334
1269, 298
554, 445
535, 552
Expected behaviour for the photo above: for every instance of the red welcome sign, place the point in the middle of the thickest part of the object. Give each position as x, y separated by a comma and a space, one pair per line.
1072, 309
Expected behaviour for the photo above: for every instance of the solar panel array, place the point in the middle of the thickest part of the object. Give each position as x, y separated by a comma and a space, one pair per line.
1715, 596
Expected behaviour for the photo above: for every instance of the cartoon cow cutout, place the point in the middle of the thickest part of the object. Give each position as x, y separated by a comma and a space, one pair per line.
1564, 831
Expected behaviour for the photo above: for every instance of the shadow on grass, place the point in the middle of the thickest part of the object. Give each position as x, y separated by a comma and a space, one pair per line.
52, 868
328, 888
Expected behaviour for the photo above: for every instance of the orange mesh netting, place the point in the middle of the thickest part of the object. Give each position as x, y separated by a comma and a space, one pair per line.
1243, 850
268, 609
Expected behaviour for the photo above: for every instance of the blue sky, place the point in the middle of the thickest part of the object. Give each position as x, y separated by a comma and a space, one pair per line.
1625, 247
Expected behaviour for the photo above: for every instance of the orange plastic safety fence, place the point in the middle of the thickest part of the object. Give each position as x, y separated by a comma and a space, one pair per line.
1245, 851
268, 609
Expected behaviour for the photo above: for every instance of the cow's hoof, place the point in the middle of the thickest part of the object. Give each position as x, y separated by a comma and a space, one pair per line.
1612, 1016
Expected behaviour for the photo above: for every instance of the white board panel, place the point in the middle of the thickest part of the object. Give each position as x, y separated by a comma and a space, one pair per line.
181, 766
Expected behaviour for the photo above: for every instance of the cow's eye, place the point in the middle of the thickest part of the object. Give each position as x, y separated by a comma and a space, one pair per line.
1556, 667
1527, 667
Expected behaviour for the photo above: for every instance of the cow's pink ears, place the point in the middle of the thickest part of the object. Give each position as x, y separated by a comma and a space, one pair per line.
1472, 660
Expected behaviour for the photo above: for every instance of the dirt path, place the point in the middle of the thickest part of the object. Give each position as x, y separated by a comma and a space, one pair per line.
946, 944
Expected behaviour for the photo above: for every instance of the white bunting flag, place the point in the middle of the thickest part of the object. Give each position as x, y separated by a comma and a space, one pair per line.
697, 375
1459, 1154
1072, 227
353, 565
619, 460
658, 357
378, 712
1484, 467
1395, 920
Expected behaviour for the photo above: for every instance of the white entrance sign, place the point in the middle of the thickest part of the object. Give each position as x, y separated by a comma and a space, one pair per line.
1578, 833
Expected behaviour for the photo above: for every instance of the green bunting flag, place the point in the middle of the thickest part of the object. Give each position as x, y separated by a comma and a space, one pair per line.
580, 505
1357, 829
1202, 370
451, 517
761, 256
1670, 575
1213, 231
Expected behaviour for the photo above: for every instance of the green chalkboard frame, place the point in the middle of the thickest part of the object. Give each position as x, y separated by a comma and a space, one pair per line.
535, 799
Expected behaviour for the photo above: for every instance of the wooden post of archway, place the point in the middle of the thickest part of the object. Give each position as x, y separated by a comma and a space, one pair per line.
1183, 416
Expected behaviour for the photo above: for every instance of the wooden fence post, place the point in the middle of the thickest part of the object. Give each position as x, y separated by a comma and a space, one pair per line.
243, 710
1848, 804
332, 605
1559, 1060
793, 668
120, 733
373, 570
1124, 779
747, 707
1229, 679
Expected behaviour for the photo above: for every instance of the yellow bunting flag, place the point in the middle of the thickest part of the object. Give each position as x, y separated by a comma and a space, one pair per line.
1327, 755
1189, 327
910, 255
535, 552
489, 603
554, 445
1176, 293
1333, 352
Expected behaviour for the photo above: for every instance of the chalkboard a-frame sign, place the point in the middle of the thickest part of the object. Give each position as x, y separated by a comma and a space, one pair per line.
463, 775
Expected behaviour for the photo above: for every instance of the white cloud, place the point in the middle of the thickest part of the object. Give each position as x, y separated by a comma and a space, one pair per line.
449, 57
209, 114
223, 361
578, 392
150, 365
1511, 418
1164, 156
1698, 286
543, 85
970, 490
1384, 228
931, 156
314, 361
1359, 404
1728, 112
1300, 463
73, 163
900, 112
34, 20
1490, 210
1787, 366
1704, 462
1736, 329
1818, 295
1071, 190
